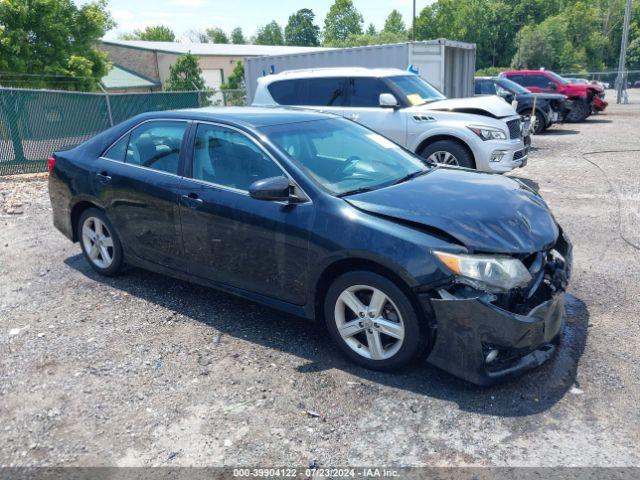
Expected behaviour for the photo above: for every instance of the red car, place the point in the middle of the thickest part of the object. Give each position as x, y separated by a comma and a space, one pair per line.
587, 98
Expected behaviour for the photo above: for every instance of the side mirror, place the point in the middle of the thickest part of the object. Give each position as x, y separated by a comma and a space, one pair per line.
387, 100
270, 189
552, 86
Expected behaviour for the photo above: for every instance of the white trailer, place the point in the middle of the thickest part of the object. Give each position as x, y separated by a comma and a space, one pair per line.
447, 65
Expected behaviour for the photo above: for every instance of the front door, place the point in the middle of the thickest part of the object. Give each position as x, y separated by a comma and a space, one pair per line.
232, 238
137, 181
363, 100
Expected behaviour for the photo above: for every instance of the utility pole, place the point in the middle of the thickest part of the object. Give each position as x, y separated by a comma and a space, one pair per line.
621, 80
413, 28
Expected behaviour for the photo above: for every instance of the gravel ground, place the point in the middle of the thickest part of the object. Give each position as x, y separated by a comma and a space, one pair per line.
146, 370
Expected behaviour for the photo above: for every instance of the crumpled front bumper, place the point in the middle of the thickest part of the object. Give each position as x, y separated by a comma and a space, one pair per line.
599, 104
468, 327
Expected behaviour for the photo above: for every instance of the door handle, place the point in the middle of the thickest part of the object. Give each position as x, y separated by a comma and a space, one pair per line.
103, 177
192, 200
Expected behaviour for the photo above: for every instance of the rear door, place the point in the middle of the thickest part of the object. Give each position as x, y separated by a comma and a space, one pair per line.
232, 238
363, 100
137, 180
327, 94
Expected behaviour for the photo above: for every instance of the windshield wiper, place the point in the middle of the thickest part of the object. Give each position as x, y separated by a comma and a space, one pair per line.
355, 191
410, 176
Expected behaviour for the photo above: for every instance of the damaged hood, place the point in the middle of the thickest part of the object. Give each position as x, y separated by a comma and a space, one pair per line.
490, 104
484, 212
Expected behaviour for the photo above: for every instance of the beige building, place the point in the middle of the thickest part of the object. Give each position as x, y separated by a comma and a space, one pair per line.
152, 60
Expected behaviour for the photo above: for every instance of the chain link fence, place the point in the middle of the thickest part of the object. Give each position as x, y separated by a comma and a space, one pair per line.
35, 123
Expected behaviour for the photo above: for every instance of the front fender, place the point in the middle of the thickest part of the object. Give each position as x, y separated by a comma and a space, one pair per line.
415, 140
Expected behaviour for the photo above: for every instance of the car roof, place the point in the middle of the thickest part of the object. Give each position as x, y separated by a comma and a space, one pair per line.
244, 116
515, 72
334, 72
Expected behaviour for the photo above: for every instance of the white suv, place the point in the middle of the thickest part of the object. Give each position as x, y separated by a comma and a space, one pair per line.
478, 132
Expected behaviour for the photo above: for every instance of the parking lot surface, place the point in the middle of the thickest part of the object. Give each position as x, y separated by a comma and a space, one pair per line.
146, 370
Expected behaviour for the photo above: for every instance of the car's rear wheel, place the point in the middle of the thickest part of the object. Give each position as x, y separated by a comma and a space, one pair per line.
448, 152
373, 321
580, 111
100, 242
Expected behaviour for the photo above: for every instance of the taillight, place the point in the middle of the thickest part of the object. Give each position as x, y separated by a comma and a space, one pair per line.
51, 162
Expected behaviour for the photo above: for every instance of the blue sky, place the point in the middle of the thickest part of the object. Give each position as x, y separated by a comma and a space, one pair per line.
184, 15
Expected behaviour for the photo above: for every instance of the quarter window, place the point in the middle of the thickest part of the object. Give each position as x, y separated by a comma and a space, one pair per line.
229, 158
156, 145
118, 150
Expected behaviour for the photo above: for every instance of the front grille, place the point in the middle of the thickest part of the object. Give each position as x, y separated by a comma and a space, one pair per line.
514, 128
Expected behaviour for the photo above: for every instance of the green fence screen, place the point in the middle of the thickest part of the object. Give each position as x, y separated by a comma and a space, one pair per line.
35, 123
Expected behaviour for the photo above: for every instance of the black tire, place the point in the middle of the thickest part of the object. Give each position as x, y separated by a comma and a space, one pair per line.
115, 250
580, 111
415, 332
462, 155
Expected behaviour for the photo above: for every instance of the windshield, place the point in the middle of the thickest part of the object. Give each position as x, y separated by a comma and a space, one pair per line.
342, 156
558, 78
415, 89
512, 86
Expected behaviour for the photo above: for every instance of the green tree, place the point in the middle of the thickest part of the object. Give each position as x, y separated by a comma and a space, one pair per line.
270, 34
156, 33
54, 37
366, 39
185, 74
371, 29
237, 37
236, 79
301, 30
342, 20
217, 35
394, 23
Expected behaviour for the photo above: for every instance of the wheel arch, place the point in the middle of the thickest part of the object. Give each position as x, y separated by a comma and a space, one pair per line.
75, 213
345, 265
443, 136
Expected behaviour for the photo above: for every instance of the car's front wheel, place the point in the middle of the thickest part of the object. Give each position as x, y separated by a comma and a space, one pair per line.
100, 242
448, 152
580, 111
373, 321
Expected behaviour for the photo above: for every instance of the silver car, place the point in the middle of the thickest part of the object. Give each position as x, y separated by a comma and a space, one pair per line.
484, 133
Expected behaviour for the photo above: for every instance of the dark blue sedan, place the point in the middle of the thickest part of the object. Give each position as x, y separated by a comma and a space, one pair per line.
323, 218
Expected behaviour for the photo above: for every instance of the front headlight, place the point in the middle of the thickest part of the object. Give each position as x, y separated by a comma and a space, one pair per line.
485, 272
488, 133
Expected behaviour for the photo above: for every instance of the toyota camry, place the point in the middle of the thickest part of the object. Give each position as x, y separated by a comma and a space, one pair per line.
323, 218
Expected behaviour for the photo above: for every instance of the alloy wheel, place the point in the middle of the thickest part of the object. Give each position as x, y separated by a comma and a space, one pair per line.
369, 322
98, 242
444, 158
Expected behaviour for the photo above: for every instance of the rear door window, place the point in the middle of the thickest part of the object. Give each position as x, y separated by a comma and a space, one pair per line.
516, 78
157, 145
539, 81
324, 92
